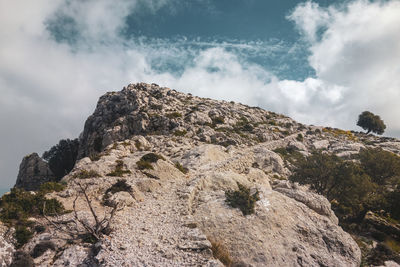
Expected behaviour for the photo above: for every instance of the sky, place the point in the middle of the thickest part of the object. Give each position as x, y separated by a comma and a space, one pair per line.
320, 62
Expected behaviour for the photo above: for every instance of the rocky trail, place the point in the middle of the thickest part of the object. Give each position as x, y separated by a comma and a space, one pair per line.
154, 233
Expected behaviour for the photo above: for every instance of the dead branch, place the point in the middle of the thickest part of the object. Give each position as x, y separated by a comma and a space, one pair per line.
96, 230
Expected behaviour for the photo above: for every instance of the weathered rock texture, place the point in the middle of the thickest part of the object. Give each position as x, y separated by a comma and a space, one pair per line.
170, 215
6, 247
33, 171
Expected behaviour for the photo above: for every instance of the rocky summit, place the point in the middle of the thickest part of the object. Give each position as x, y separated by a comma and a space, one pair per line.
157, 178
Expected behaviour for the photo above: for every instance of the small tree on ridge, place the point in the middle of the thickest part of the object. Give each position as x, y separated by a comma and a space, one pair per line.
371, 122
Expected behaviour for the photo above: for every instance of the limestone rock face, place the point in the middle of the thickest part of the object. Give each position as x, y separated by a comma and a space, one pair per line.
33, 171
6, 247
177, 204
289, 228
142, 109
316, 202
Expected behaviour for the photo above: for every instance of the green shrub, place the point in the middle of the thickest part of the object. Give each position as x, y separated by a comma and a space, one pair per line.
138, 145
145, 161
288, 125
98, 144
299, 137
152, 157
22, 235
118, 171
289, 154
174, 115
242, 199
181, 168
95, 156
285, 132
89, 238
342, 182
243, 125
85, 174
39, 228
120, 186
22, 259
19, 205
143, 165
180, 133
41, 248
62, 157
393, 200
51, 187
53, 207
380, 164
217, 120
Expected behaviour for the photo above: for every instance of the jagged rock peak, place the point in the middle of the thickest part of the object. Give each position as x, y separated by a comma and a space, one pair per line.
33, 171
148, 109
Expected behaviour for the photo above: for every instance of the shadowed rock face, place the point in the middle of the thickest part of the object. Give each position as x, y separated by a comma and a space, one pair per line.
33, 171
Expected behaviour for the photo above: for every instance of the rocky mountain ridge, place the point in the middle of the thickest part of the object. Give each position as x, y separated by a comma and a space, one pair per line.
176, 210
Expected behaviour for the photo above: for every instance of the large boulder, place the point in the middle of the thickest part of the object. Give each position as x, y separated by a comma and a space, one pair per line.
292, 227
282, 232
33, 171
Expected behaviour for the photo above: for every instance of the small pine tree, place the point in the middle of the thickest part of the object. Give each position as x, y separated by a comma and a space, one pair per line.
62, 157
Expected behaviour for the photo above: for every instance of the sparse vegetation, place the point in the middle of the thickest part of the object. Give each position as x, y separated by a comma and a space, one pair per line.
342, 182
243, 125
42, 247
120, 186
217, 120
289, 154
180, 133
22, 259
146, 161
19, 205
380, 165
144, 165
339, 133
22, 235
85, 174
242, 199
220, 252
299, 137
181, 168
51, 187
138, 145
119, 169
95, 156
174, 115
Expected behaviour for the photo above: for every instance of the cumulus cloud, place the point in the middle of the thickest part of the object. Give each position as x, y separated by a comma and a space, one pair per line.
57, 57
357, 54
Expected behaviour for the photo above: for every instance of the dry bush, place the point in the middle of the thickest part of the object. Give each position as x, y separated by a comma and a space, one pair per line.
220, 252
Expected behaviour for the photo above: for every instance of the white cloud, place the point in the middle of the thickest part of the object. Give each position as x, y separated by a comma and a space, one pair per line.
48, 88
358, 52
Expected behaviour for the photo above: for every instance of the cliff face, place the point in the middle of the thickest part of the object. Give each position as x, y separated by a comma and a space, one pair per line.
177, 202
33, 171
144, 109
